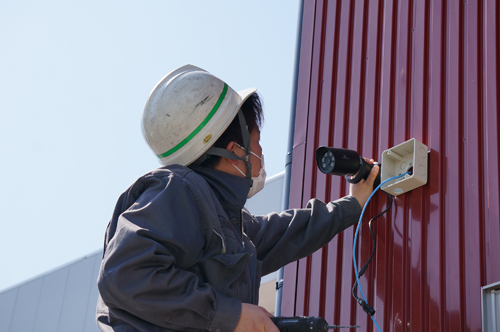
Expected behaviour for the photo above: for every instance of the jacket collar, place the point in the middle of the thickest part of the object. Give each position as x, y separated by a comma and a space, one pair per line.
230, 190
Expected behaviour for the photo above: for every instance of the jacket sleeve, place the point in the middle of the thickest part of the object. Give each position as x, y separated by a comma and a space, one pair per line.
144, 269
296, 233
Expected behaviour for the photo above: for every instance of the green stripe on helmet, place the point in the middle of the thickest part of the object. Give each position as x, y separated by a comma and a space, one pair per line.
200, 126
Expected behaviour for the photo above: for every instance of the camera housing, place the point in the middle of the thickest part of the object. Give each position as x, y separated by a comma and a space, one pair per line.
344, 162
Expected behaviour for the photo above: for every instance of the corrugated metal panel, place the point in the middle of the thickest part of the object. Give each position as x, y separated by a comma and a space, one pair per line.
372, 75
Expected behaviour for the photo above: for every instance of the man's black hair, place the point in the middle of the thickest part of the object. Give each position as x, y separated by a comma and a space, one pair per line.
254, 116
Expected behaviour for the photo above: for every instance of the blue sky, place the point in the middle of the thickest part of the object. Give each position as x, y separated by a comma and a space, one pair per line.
74, 78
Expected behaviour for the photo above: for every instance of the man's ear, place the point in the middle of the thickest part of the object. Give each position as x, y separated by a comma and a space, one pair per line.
230, 146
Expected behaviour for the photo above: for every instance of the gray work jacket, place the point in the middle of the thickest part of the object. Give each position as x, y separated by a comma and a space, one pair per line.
181, 253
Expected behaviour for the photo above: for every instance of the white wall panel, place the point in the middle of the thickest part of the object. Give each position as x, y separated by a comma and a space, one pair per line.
270, 198
7, 305
26, 306
51, 300
90, 322
77, 295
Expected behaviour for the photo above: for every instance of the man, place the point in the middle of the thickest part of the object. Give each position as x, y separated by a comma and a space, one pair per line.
181, 252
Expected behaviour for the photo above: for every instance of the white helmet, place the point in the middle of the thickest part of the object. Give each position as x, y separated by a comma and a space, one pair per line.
187, 111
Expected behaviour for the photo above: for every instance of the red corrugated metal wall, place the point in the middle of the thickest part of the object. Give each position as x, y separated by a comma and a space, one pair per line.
373, 74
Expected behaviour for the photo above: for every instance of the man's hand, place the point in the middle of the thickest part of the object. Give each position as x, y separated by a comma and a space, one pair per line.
362, 190
255, 318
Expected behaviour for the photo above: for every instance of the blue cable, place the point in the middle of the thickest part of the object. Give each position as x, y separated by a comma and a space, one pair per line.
356, 236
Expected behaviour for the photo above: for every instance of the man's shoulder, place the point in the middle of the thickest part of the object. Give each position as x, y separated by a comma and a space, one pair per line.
172, 175
170, 170
165, 180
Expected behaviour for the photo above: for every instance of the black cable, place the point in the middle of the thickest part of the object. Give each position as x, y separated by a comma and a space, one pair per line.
363, 269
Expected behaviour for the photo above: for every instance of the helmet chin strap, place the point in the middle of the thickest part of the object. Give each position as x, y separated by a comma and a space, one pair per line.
229, 154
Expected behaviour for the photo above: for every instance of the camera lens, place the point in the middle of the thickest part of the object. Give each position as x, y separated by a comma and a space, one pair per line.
327, 162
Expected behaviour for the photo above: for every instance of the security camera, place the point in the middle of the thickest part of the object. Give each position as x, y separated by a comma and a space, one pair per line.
344, 162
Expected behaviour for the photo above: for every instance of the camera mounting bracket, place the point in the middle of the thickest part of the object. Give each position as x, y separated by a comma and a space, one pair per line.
412, 156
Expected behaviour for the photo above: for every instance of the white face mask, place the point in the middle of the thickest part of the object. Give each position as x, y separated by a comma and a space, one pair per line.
260, 180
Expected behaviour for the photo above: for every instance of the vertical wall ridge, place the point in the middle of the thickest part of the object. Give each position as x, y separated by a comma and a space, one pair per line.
333, 91
324, 251
481, 143
462, 175
347, 105
392, 278
409, 69
323, 282
378, 70
497, 103
425, 192
338, 286
362, 81
442, 179
374, 151
497, 57
394, 72
492, 126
